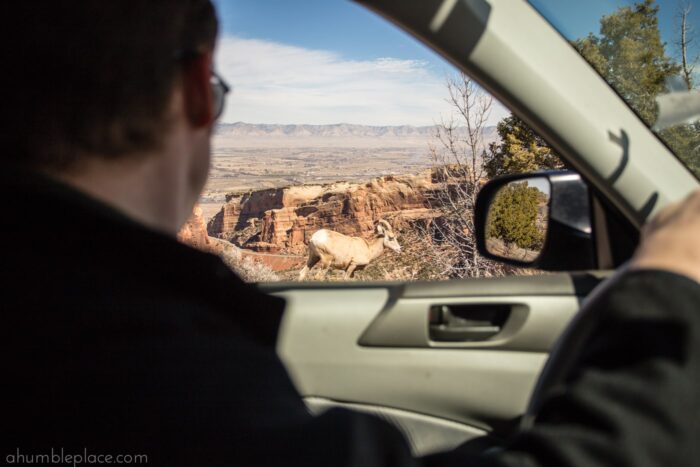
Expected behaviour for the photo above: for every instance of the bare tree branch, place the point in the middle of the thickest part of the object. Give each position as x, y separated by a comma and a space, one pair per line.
686, 38
458, 166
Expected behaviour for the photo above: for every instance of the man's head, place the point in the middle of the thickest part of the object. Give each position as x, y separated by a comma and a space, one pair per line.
92, 83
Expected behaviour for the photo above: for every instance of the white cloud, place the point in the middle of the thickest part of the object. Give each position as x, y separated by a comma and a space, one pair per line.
279, 83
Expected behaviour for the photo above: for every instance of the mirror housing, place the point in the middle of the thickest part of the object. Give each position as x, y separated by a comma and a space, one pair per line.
568, 243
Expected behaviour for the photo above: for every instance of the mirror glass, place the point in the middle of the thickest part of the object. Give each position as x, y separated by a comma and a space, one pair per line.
516, 226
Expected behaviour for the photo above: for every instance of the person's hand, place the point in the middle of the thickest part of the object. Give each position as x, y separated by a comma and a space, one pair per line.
671, 240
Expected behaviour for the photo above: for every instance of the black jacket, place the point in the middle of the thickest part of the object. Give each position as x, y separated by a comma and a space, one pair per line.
119, 340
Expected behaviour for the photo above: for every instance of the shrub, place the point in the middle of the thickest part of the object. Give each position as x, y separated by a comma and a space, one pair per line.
513, 216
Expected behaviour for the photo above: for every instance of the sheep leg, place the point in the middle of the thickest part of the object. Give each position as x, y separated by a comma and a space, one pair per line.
310, 263
326, 268
350, 271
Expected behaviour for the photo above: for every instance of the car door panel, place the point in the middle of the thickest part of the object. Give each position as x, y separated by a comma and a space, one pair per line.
370, 346
425, 434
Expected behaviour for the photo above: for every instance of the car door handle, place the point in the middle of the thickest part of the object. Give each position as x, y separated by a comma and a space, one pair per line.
452, 333
464, 323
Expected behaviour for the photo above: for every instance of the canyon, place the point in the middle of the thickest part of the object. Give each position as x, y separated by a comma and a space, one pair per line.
281, 220
273, 186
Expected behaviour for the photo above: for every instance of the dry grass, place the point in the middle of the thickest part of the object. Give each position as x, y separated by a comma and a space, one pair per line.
245, 267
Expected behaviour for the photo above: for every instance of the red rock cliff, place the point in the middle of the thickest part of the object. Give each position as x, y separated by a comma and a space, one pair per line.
194, 232
283, 219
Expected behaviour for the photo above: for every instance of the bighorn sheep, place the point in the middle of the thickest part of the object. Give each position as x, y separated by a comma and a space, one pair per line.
338, 251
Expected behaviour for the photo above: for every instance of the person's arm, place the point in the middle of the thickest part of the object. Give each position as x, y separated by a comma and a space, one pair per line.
671, 241
633, 396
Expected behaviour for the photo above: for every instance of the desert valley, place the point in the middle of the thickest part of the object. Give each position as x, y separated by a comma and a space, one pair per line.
255, 156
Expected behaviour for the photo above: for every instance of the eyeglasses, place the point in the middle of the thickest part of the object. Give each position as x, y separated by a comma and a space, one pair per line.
220, 89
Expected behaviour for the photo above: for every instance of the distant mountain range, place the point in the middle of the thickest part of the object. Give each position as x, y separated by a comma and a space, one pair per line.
335, 130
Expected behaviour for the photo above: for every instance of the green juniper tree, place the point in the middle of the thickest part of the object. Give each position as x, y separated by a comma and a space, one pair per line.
513, 216
519, 150
629, 54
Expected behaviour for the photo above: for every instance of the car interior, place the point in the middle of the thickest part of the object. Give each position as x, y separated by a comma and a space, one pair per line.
448, 362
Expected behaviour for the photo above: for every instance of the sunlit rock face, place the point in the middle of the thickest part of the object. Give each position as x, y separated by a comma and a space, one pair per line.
281, 220
194, 232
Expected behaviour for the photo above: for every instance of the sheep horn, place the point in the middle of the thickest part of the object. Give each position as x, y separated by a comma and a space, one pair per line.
386, 225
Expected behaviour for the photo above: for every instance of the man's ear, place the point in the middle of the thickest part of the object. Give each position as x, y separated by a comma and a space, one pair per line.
197, 91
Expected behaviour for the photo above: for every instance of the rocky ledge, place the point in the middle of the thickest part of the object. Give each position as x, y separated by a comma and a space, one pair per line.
281, 220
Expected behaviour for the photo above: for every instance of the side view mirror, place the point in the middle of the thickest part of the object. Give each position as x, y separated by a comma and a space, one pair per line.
538, 220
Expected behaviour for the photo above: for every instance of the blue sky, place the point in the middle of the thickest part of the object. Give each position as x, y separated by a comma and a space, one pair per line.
576, 18
338, 25
342, 63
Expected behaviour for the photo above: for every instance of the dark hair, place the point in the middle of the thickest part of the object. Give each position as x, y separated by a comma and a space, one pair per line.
90, 77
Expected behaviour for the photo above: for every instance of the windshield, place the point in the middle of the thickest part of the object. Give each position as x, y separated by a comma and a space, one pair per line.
648, 52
